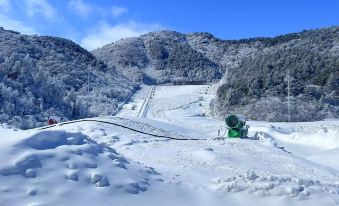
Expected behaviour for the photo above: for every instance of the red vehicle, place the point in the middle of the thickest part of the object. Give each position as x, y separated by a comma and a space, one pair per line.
52, 120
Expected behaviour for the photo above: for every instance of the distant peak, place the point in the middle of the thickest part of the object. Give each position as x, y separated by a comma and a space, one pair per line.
164, 33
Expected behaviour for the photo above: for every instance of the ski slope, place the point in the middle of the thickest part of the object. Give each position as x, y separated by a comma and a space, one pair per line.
145, 155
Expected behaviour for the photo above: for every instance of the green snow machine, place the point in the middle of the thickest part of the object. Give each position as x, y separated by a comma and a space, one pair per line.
236, 126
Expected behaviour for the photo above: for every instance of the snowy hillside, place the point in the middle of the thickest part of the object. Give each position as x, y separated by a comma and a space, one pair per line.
160, 57
253, 71
43, 76
160, 149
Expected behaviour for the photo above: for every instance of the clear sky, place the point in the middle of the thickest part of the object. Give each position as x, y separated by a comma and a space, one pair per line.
95, 23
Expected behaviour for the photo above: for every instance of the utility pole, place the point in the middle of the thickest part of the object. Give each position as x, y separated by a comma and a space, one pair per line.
288, 79
88, 76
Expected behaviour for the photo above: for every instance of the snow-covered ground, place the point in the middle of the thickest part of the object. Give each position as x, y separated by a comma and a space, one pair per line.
134, 160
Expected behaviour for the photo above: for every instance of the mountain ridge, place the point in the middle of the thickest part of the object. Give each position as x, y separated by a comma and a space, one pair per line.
167, 56
42, 76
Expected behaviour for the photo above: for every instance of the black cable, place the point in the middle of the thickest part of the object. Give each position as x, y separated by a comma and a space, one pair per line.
119, 125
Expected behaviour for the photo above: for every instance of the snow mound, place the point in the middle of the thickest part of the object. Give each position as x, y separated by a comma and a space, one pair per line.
322, 134
54, 163
297, 188
50, 140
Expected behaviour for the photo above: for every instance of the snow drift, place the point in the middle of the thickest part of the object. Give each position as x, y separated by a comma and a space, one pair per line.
49, 166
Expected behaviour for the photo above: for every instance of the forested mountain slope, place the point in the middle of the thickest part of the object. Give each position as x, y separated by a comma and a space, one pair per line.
159, 57
255, 70
258, 86
42, 76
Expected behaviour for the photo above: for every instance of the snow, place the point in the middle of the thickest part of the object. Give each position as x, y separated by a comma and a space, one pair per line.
52, 166
97, 163
329, 158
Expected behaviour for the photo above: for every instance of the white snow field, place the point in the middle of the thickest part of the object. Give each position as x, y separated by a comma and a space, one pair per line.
160, 149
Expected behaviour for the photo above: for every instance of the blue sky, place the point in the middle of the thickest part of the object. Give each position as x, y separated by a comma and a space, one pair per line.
96, 23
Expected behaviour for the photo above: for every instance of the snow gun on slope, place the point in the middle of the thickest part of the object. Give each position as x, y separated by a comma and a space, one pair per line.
236, 126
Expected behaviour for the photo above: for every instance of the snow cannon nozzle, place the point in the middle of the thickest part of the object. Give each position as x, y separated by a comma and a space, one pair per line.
233, 121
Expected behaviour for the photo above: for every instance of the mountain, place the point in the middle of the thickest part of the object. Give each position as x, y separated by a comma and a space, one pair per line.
166, 56
254, 70
159, 57
258, 87
43, 76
